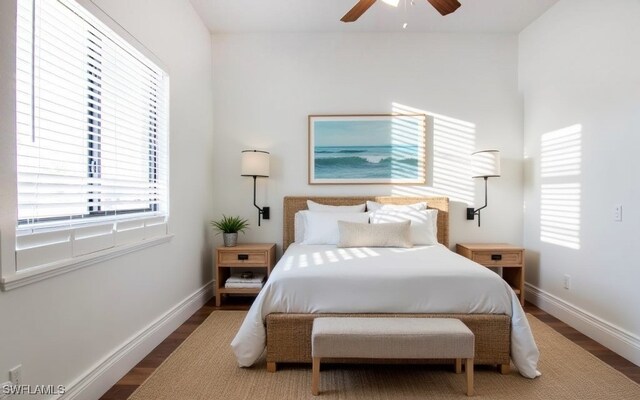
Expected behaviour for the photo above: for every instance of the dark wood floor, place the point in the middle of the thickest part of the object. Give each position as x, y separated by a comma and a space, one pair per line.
134, 378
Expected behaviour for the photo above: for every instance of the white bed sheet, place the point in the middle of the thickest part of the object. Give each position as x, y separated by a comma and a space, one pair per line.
422, 279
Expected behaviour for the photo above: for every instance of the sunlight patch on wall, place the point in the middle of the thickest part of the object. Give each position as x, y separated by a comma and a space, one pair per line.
407, 141
560, 214
451, 145
560, 194
560, 152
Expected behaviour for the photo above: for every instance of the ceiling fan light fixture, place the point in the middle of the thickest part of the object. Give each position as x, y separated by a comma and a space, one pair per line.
444, 7
393, 3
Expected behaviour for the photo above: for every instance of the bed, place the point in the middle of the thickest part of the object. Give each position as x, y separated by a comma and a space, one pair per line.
304, 286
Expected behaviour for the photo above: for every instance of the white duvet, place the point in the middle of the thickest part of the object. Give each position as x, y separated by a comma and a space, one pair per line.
425, 279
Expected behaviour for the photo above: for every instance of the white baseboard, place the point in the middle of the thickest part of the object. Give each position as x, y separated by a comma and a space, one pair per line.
611, 336
97, 380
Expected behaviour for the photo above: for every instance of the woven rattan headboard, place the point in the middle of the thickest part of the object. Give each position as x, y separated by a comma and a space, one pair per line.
293, 204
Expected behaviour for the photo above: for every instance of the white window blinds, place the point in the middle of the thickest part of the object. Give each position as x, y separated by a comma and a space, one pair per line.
91, 122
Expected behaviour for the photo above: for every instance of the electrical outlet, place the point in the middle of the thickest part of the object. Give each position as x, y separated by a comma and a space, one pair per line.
15, 375
567, 281
617, 212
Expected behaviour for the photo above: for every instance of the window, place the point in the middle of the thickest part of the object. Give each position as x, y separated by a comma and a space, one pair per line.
91, 135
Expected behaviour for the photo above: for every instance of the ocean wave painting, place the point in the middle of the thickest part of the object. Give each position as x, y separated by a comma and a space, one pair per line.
368, 149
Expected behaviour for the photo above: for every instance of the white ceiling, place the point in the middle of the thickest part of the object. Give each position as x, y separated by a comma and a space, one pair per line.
474, 16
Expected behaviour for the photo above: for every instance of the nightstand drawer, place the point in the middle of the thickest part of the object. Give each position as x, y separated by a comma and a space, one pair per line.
498, 257
242, 257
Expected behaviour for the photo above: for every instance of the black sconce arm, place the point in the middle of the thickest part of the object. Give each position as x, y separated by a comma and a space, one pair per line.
471, 213
263, 212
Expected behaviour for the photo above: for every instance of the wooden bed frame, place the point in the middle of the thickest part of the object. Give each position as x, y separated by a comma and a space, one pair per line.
289, 335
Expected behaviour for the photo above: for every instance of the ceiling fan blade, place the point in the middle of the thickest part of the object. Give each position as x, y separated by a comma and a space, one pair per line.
445, 7
357, 10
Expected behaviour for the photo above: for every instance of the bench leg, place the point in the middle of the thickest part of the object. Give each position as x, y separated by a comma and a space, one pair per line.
271, 366
458, 365
315, 376
468, 366
505, 368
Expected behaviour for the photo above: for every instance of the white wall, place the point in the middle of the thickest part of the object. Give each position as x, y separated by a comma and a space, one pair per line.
580, 64
265, 86
60, 328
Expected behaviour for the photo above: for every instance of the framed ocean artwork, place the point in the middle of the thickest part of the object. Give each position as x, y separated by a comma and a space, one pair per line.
367, 149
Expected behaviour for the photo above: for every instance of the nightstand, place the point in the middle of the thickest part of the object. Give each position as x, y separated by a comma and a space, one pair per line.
228, 259
499, 255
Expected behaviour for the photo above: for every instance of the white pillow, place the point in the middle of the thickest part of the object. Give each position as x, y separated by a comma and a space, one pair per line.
424, 225
373, 206
313, 206
322, 227
374, 235
299, 222
299, 218
298, 226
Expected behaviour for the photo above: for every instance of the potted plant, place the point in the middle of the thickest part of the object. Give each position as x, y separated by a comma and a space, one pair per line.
229, 227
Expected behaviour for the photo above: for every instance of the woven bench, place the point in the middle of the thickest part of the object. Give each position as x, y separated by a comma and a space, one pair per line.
392, 338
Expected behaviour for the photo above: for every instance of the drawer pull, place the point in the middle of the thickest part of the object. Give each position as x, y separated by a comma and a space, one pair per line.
496, 257
243, 257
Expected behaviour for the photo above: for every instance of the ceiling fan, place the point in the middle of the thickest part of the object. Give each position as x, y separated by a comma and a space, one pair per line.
444, 7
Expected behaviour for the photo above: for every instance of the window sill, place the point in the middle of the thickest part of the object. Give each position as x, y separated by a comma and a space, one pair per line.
36, 274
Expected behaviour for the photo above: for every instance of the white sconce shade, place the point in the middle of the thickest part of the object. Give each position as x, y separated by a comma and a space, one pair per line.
255, 163
485, 163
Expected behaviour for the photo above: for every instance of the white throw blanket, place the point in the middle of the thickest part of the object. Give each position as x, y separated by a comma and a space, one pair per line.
425, 279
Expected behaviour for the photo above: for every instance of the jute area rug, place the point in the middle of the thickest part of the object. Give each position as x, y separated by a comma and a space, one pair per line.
204, 367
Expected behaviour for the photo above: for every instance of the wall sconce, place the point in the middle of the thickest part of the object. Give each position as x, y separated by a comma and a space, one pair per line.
255, 163
484, 164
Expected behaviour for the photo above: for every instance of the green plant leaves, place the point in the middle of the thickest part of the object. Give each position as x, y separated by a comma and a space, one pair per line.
230, 224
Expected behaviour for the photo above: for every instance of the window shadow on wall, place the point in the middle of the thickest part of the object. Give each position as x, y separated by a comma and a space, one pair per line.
560, 191
449, 143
